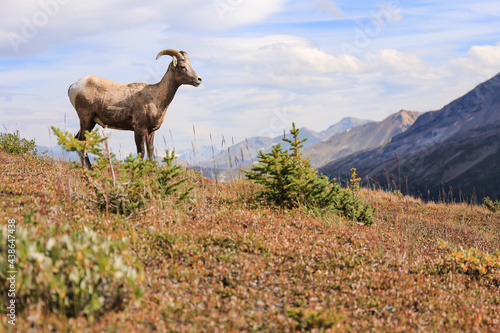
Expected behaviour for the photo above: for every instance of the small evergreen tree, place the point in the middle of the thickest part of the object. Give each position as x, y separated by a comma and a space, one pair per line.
289, 181
137, 180
13, 144
168, 175
91, 144
492, 206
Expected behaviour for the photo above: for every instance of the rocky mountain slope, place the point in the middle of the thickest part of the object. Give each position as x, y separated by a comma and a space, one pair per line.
359, 138
457, 146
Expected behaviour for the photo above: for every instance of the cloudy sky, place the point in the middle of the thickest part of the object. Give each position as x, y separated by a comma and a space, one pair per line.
264, 63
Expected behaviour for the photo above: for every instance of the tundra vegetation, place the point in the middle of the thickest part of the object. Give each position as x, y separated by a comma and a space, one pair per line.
289, 181
200, 255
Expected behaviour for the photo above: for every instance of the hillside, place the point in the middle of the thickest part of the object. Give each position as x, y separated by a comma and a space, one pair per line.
458, 145
218, 263
359, 138
245, 152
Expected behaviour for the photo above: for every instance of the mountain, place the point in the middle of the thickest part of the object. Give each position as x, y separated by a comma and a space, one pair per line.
201, 153
457, 146
343, 125
359, 138
245, 152
58, 153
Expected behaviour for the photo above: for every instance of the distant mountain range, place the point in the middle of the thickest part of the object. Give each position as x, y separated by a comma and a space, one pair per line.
455, 150
359, 138
245, 152
192, 157
58, 153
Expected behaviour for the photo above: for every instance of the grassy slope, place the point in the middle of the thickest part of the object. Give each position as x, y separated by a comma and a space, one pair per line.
215, 264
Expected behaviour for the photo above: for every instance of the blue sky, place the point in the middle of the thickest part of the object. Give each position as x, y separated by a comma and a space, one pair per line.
264, 63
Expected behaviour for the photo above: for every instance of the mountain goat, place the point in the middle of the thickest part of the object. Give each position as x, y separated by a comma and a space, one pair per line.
137, 107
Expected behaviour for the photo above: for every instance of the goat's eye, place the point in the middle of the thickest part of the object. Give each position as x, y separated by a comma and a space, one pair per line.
184, 68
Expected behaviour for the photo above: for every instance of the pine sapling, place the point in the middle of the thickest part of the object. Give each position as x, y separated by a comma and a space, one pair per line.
289, 181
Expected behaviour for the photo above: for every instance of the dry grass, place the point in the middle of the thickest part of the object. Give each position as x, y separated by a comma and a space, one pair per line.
216, 264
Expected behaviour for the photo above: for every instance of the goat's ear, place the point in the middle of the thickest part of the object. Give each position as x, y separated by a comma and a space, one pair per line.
174, 61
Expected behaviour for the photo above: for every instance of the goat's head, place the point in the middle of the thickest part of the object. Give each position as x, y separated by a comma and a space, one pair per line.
181, 66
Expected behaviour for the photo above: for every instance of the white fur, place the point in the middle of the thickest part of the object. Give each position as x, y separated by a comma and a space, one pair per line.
76, 88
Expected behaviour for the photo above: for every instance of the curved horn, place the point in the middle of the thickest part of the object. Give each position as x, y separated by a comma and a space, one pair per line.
170, 52
176, 55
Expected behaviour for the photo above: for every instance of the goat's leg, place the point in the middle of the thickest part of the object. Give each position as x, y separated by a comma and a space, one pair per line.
80, 154
84, 157
140, 138
150, 138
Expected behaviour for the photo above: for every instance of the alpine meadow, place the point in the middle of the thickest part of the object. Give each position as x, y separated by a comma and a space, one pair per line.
145, 246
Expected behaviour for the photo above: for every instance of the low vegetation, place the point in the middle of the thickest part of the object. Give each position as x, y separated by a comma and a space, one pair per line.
13, 144
73, 273
289, 181
217, 259
135, 182
492, 206
474, 262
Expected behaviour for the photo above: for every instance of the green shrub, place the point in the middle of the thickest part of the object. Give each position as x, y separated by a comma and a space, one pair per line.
289, 181
139, 182
132, 191
492, 206
473, 261
71, 273
11, 143
477, 263
136, 182
91, 144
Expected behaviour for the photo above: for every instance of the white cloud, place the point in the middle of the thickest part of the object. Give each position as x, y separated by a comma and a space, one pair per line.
293, 62
480, 59
394, 61
29, 27
300, 57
